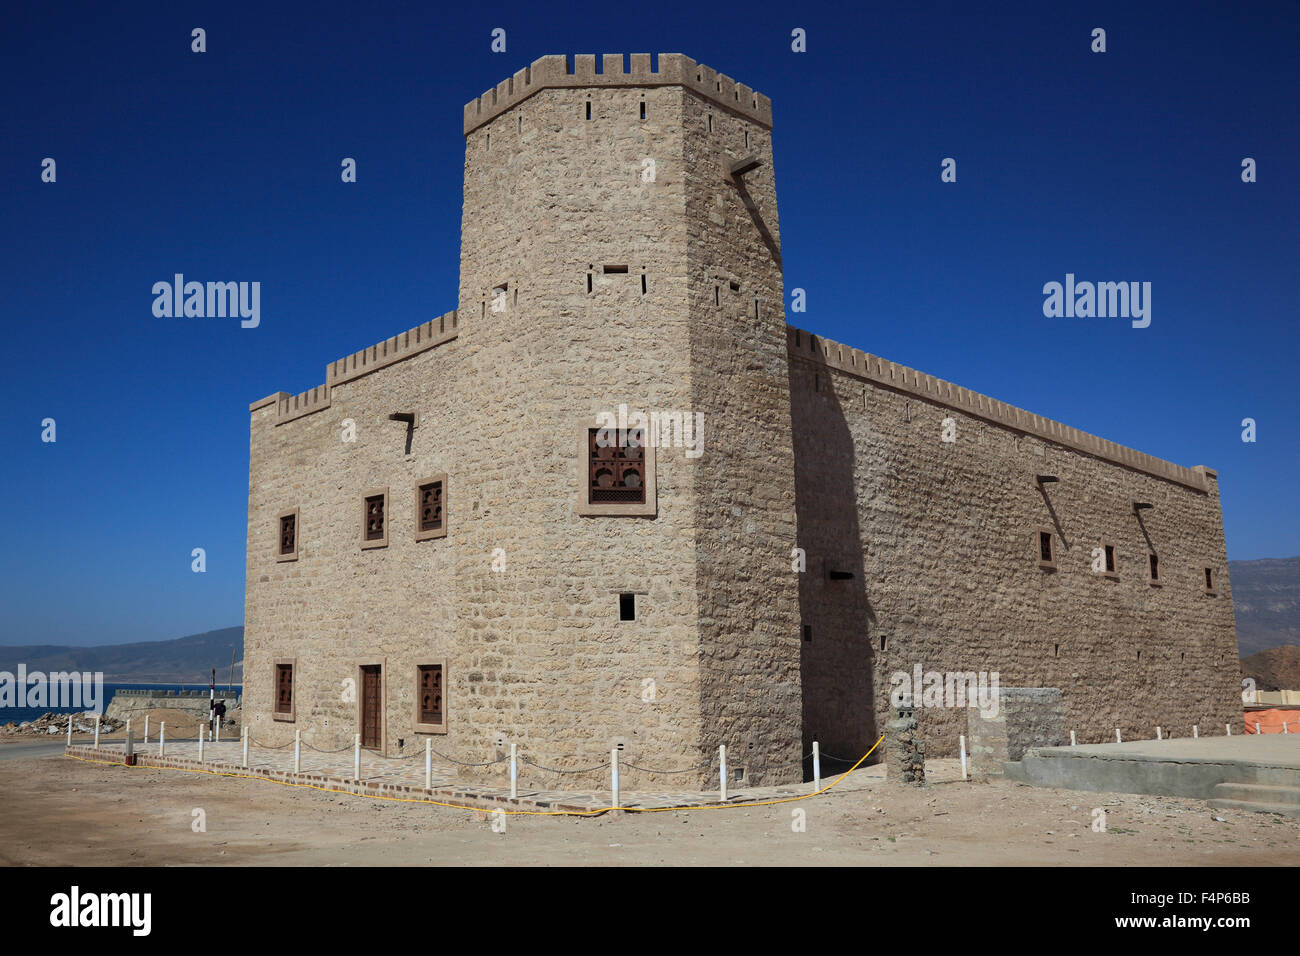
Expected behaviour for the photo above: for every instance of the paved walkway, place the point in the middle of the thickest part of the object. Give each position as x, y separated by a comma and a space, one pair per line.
404, 778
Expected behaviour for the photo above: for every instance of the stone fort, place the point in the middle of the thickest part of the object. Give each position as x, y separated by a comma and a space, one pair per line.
441, 545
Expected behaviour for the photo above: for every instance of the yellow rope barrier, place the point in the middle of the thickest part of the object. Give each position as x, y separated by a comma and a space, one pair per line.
533, 813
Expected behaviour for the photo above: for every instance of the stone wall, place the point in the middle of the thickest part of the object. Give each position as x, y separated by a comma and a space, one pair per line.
1025, 717
941, 542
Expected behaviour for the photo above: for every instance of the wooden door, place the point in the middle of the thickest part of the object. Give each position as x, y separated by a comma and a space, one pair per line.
371, 722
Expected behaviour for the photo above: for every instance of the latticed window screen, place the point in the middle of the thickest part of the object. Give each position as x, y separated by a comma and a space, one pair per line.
430, 692
288, 534
283, 688
375, 518
616, 473
431, 506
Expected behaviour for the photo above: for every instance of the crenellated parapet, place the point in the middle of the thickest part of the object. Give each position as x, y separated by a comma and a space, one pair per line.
402, 346
673, 69
880, 371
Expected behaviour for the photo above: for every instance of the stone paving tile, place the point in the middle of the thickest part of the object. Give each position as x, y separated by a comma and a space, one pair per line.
407, 773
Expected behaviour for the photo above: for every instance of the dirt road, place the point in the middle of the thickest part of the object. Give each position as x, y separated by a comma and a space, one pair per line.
61, 811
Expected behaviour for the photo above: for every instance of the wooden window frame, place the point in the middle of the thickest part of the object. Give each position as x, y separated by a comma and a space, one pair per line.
1048, 563
421, 535
1112, 574
420, 726
637, 509
291, 714
375, 542
279, 532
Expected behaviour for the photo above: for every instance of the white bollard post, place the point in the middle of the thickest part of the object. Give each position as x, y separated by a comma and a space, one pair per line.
1159, 736
244, 733
1073, 740
69, 730
1256, 731
201, 736
1117, 737
613, 776
961, 742
356, 759
297, 751
146, 728
1196, 732
1228, 728
514, 774
428, 762
817, 766
162, 736
1284, 730
722, 769
218, 737
97, 731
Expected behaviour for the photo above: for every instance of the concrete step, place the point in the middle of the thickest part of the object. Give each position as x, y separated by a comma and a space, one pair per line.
1258, 793
1281, 809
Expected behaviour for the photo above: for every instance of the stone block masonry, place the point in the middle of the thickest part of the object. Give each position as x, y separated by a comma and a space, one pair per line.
621, 245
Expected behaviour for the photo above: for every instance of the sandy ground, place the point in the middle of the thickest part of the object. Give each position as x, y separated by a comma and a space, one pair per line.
59, 811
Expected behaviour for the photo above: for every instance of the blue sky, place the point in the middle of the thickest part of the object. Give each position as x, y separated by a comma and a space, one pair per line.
225, 165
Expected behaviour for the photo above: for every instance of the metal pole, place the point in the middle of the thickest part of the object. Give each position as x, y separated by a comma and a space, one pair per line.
201, 735
244, 733
817, 766
514, 774
69, 730
961, 740
297, 751
146, 728
162, 736
613, 777
356, 759
722, 770
428, 764
97, 731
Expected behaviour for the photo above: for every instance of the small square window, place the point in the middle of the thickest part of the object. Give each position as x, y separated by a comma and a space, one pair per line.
431, 508
374, 519
627, 607
283, 690
287, 541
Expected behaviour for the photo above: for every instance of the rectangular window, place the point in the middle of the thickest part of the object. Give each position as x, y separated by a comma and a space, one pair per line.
627, 607
283, 691
1209, 580
1046, 548
287, 542
616, 473
431, 508
1110, 559
374, 519
807, 634
1153, 567
1104, 563
643, 109
430, 698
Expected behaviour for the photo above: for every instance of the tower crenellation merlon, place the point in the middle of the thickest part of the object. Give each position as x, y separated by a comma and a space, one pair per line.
672, 69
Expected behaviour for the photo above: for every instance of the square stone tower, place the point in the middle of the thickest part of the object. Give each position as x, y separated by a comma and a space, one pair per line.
620, 247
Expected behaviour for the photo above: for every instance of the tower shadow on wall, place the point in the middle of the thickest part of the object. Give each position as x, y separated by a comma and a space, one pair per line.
837, 659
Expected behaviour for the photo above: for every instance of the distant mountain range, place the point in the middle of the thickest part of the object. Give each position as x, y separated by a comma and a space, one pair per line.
1266, 599
185, 659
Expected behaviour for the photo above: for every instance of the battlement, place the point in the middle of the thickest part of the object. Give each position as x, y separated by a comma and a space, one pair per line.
880, 371
401, 346
674, 69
